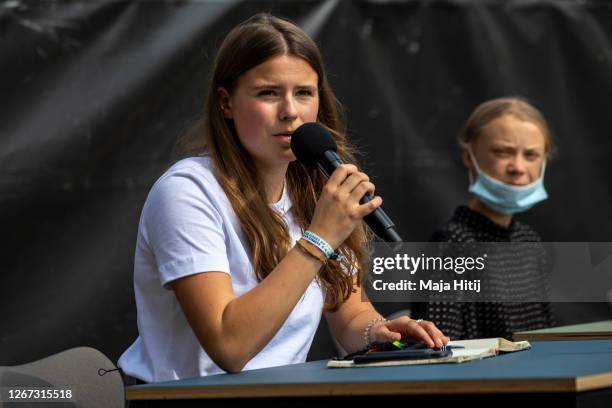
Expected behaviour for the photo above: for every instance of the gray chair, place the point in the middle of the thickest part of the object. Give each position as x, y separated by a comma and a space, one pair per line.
91, 377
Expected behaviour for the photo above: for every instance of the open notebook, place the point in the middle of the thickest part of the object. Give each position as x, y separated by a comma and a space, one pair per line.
472, 350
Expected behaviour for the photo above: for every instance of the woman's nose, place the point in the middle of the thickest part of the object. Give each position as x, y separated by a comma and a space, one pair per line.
288, 109
517, 165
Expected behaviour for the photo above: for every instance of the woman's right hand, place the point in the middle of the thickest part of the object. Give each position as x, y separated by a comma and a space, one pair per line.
338, 210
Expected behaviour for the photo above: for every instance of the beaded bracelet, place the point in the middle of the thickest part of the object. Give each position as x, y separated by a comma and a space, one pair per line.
368, 328
320, 243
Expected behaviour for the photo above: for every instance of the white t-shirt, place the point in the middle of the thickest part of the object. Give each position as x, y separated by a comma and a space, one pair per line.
188, 226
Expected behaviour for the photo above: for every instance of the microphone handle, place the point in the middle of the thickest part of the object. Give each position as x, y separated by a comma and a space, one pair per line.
332, 160
378, 221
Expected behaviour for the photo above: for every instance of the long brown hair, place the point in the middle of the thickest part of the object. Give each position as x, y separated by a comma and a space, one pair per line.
249, 44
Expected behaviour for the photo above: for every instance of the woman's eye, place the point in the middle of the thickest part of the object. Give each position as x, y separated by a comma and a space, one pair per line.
305, 92
532, 155
501, 153
267, 92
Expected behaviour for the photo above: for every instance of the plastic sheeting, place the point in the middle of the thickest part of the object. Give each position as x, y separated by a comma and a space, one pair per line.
94, 95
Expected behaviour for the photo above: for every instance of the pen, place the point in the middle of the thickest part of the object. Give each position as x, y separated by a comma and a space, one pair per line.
450, 347
404, 346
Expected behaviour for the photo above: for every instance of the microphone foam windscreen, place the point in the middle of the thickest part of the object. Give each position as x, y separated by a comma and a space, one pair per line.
310, 141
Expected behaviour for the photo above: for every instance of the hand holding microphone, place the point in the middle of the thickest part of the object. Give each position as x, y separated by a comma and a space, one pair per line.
338, 210
347, 195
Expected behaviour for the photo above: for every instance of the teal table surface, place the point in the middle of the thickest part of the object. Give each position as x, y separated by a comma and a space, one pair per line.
545, 361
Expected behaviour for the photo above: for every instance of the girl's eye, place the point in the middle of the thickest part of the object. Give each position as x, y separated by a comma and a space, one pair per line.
305, 92
501, 153
267, 92
532, 155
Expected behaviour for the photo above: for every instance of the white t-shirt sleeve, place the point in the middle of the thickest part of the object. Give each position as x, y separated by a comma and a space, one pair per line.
183, 229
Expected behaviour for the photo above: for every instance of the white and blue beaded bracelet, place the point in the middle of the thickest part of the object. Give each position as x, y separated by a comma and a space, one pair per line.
320, 243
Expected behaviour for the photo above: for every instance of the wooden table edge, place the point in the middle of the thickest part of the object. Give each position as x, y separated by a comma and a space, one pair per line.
553, 385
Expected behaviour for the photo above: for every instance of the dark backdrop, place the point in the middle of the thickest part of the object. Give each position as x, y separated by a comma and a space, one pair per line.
94, 94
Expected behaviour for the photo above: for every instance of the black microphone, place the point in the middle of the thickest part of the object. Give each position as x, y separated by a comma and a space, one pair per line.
315, 147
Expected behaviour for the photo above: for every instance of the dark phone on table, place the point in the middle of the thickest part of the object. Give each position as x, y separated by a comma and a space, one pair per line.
401, 355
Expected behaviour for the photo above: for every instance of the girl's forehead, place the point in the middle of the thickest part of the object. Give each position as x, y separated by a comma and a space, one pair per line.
509, 129
282, 68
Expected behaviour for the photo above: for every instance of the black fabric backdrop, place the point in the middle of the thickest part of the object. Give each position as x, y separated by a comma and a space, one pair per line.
94, 95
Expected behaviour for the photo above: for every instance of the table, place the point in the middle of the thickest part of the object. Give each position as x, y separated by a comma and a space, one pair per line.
584, 331
564, 373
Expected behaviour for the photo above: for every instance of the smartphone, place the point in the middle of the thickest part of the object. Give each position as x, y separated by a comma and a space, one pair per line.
415, 354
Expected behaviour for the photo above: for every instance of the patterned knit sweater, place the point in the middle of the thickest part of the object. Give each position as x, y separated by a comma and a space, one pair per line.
488, 319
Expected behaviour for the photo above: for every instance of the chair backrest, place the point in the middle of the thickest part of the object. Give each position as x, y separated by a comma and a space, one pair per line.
82, 370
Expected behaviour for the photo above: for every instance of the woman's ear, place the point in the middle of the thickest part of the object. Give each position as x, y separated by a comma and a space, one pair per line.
224, 102
467, 159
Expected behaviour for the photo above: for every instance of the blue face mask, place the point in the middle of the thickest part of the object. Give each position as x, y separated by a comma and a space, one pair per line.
505, 198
